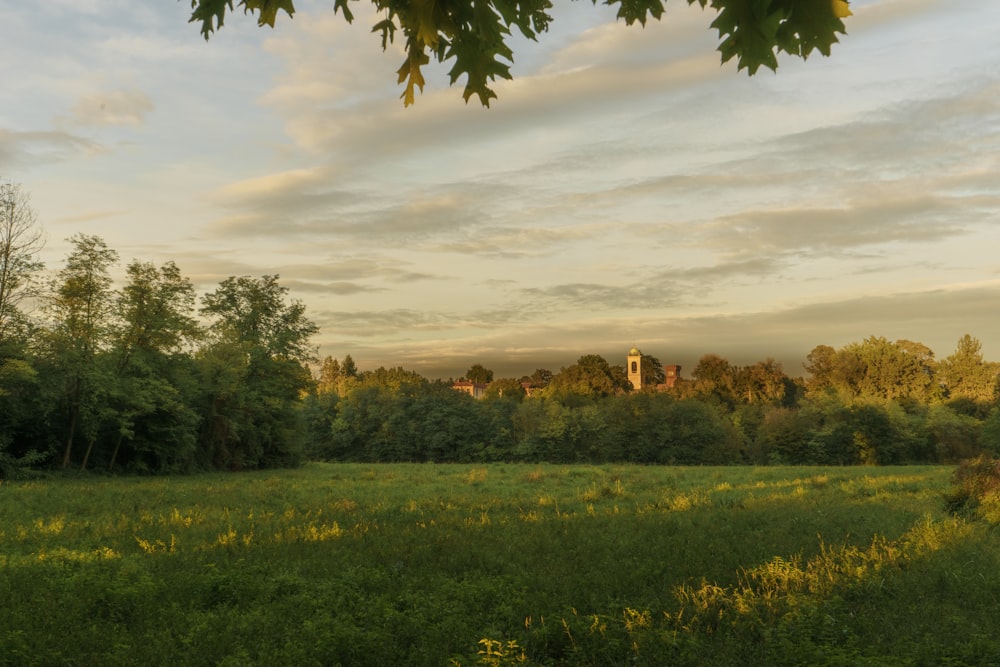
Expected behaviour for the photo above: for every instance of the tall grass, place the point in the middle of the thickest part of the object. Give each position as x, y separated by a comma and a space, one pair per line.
503, 564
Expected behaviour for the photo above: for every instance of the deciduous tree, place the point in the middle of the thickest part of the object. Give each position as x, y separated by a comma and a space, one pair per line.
965, 374
81, 306
591, 376
254, 372
505, 388
21, 240
479, 374
329, 375
153, 418
651, 371
715, 377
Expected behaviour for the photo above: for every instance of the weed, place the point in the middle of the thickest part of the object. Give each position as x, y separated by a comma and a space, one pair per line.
497, 653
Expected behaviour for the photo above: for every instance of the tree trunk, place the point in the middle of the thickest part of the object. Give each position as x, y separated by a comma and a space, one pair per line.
114, 454
86, 456
69, 438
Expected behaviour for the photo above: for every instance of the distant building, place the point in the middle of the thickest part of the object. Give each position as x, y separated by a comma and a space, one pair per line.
473, 389
671, 372
634, 370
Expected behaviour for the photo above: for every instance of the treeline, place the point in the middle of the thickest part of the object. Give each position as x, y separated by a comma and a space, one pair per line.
146, 378
150, 378
874, 402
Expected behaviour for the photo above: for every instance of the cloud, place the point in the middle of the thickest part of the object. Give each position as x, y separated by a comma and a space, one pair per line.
818, 231
22, 149
936, 318
91, 216
319, 212
513, 242
120, 107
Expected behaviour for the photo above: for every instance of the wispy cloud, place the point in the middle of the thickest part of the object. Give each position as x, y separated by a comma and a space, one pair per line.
20, 150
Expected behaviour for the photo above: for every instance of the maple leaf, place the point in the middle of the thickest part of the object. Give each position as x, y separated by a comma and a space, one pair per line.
211, 13
810, 25
750, 29
341, 6
473, 33
638, 10
268, 9
410, 72
476, 47
426, 23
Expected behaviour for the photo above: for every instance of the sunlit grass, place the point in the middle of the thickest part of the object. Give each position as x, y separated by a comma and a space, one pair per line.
439, 564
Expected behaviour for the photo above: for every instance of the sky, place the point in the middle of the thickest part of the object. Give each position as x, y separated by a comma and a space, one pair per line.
625, 189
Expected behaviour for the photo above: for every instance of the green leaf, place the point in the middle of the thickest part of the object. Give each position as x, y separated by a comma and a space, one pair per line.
811, 25
341, 6
749, 28
474, 33
268, 9
211, 13
410, 72
637, 10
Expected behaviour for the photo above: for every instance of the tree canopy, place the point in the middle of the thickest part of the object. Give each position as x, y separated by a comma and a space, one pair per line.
473, 35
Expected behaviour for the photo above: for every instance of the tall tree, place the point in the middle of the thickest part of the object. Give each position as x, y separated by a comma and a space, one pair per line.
474, 35
480, 374
715, 377
156, 308
540, 378
651, 371
902, 369
156, 325
329, 375
762, 382
254, 372
348, 368
21, 240
965, 374
821, 363
81, 305
591, 376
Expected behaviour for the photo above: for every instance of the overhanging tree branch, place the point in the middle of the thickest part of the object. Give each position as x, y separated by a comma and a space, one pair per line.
473, 33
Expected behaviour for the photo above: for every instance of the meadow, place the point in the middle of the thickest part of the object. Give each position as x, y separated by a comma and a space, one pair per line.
422, 564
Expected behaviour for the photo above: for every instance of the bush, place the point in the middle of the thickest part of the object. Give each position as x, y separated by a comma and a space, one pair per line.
975, 484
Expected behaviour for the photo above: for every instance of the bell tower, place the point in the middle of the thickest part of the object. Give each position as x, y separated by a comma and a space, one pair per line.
634, 368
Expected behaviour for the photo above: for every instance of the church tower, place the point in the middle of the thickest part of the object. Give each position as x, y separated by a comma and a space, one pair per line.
634, 368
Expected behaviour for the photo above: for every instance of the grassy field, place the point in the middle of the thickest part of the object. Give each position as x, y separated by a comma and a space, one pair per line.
501, 564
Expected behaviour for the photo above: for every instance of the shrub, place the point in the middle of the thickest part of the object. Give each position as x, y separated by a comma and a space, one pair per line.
975, 483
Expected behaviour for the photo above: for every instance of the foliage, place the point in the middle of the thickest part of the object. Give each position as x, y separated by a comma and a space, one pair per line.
975, 485
479, 374
590, 377
875, 368
80, 307
651, 371
21, 240
253, 374
506, 388
133, 376
152, 425
965, 374
474, 36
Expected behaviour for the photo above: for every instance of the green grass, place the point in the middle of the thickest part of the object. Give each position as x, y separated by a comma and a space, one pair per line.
462, 565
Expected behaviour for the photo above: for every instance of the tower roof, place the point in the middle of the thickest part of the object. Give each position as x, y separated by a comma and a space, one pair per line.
634, 352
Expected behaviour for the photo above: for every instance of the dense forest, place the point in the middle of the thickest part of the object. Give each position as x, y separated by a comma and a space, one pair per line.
149, 378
